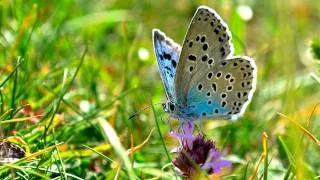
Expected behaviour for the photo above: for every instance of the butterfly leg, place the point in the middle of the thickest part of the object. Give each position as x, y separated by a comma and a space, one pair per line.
201, 128
169, 121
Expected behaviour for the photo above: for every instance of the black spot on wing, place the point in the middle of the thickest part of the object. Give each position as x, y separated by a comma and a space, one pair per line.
167, 68
192, 57
174, 63
161, 57
166, 56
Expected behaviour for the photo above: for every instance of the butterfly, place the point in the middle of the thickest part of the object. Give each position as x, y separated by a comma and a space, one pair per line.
202, 79
10, 152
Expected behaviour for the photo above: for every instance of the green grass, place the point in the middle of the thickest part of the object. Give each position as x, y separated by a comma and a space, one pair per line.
77, 64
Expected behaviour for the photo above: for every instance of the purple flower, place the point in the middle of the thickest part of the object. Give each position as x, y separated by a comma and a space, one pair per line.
195, 152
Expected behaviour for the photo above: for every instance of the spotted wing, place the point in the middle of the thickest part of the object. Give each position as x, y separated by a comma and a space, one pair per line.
223, 90
167, 53
207, 41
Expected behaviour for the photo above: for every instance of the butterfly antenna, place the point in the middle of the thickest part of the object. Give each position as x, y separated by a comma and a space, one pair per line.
138, 112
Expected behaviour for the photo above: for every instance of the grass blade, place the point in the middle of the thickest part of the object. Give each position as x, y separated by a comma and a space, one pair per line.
161, 137
20, 60
265, 153
302, 129
115, 142
102, 155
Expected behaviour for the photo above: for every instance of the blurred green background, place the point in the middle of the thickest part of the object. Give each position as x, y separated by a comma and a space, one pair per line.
84, 67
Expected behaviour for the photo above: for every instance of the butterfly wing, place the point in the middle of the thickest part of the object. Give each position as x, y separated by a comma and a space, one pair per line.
224, 90
211, 83
167, 53
207, 41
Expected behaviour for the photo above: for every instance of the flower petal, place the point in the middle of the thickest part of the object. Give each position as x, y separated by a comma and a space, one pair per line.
188, 128
188, 137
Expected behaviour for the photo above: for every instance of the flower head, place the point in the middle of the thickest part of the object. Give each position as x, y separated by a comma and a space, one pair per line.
196, 152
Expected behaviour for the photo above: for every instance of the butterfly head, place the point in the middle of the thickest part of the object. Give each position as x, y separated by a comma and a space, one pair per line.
177, 111
169, 107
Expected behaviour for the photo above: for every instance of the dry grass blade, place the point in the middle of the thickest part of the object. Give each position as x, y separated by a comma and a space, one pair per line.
65, 153
253, 176
19, 119
265, 154
302, 128
34, 155
116, 144
138, 147
101, 154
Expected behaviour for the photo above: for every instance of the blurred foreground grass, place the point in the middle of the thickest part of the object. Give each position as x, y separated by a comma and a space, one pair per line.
82, 68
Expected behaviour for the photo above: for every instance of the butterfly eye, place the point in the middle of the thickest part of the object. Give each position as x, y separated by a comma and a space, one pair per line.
171, 106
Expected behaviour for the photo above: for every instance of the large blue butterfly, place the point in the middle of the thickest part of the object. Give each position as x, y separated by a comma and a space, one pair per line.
203, 79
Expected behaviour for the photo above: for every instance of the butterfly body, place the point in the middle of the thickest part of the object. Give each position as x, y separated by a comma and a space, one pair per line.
203, 79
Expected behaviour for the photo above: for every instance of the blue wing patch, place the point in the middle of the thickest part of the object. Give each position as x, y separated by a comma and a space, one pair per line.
167, 53
203, 107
